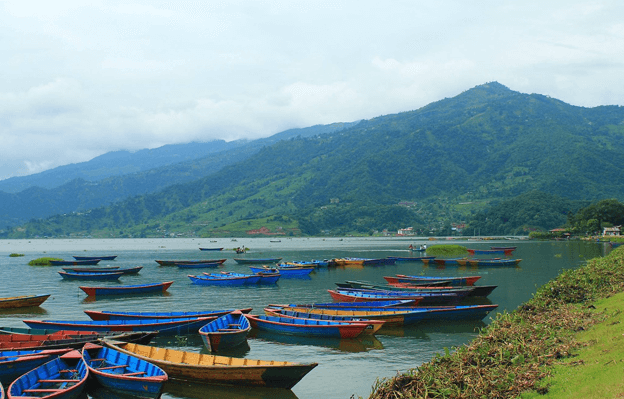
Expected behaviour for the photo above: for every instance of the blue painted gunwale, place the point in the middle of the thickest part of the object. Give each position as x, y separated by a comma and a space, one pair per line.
222, 279
123, 373
183, 325
127, 289
225, 332
205, 265
265, 278
114, 315
284, 271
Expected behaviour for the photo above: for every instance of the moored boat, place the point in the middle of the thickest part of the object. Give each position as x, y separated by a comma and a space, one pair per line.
247, 261
105, 257
97, 276
410, 258
117, 315
124, 373
182, 325
494, 262
426, 280
210, 369
104, 269
306, 327
14, 363
205, 265
225, 332
371, 329
262, 277
64, 377
22, 301
283, 271
210, 249
490, 251
16, 338
353, 295
127, 289
188, 262
223, 279
74, 262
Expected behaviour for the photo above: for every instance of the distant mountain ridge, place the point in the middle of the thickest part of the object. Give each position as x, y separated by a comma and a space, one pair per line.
118, 175
449, 159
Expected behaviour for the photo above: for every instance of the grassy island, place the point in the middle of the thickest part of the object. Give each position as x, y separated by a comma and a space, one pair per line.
567, 340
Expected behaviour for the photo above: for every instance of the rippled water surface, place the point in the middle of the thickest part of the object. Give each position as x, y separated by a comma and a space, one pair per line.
346, 367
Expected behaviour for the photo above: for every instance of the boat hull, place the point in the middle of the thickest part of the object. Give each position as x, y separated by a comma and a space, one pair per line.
107, 315
22, 301
227, 331
306, 327
221, 370
14, 363
127, 289
163, 326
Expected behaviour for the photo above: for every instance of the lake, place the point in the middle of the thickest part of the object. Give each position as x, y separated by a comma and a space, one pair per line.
346, 367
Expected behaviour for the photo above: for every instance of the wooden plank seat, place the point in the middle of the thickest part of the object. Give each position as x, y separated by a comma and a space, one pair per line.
234, 325
131, 374
228, 329
35, 390
112, 367
68, 371
59, 380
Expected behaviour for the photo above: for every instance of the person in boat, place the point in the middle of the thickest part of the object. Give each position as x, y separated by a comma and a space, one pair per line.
411, 246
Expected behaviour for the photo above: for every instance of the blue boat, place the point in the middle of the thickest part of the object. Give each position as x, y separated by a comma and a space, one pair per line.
14, 363
223, 279
123, 373
225, 332
114, 315
246, 261
64, 377
74, 262
204, 265
410, 258
210, 249
381, 304
284, 271
104, 269
265, 278
103, 276
371, 329
105, 257
182, 325
306, 327
426, 298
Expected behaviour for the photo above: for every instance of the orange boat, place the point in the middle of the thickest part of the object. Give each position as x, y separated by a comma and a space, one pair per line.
22, 301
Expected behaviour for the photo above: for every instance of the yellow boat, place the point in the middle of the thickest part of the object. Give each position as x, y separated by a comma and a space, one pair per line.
22, 301
221, 370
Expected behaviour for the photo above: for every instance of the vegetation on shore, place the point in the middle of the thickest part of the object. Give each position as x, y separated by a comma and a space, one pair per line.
446, 250
518, 350
15, 255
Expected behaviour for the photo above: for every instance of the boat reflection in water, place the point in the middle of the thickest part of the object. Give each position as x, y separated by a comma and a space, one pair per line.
182, 389
362, 343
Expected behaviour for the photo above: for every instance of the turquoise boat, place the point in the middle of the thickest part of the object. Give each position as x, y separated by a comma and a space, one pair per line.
228, 331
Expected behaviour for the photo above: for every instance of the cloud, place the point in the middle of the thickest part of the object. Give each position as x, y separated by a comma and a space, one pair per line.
84, 78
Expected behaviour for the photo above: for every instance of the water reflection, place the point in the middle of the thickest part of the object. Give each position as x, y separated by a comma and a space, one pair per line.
181, 389
19, 312
359, 344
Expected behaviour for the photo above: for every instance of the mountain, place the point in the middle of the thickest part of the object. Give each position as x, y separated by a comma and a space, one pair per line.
429, 168
115, 176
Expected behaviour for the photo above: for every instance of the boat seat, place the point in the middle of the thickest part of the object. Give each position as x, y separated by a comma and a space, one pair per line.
228, 329
33, 390
112, 367
68, 371
58, 380
234, 325
131, 374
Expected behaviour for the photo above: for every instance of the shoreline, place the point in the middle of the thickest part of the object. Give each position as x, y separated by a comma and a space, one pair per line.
516, 353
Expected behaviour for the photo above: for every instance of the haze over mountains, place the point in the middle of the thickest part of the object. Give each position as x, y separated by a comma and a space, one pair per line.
443, 162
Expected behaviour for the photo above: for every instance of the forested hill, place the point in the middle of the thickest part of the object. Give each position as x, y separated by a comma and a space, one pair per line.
486, 144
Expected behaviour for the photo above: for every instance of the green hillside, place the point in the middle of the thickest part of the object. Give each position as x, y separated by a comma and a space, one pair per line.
427, 168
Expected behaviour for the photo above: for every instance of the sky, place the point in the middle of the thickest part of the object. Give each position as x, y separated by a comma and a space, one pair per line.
82, 78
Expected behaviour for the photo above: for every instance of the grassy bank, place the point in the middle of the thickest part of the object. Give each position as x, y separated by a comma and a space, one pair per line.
528, 351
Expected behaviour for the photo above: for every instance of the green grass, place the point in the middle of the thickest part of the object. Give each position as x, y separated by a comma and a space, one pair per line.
446, 250
42, 261
594, 371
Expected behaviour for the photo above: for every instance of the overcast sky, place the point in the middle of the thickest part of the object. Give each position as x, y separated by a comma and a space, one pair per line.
81, 78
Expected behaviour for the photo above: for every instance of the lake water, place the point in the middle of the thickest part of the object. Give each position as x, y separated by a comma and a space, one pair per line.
346, 367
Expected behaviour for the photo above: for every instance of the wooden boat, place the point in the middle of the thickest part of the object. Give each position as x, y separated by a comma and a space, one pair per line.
448, 262
181, 325
343, 295
15, 338
426, 280
504, 248
475, 290
494, 262
74, 262
306, 327
64, 377
348, 261
223, 279
22, 301
124, 373
381, 304
127, 289
104, 269
264, 277
188, 262
14, 363
105, 257
206, 265
100, 276
489, 251
397, 316
210, 249
210, 369
248, 261
227, 331
112, 315
411, 258
283, 271
371, 329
